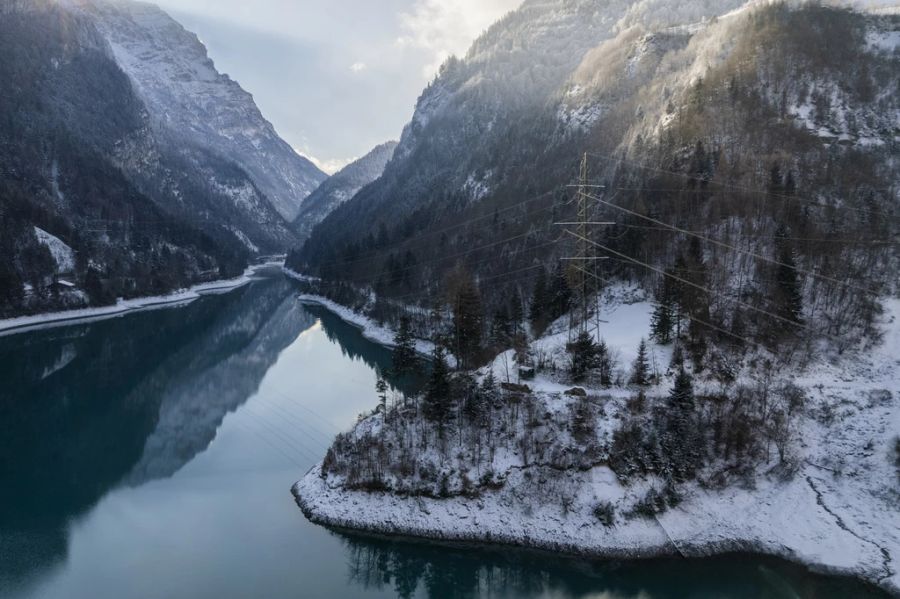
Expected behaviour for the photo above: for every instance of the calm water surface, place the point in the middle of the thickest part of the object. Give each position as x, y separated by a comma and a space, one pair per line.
151, 456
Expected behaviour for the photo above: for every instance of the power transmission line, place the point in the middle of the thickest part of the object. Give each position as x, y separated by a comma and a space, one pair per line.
731, 185
697, 320
735, 248
704, 289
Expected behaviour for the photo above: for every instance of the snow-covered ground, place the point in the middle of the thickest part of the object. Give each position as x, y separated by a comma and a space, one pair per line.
62, 254
371, 330
24, 324
839, 513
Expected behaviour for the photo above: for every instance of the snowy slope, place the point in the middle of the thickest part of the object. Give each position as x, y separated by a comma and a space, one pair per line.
838, 513
188, 98
62, 254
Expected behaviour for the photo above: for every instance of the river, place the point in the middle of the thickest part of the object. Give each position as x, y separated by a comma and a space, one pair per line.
152, 455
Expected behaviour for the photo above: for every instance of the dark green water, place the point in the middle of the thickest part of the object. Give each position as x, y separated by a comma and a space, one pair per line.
151, 456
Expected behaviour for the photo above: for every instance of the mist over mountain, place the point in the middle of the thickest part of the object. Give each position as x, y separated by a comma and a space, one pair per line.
341, 187
125, 152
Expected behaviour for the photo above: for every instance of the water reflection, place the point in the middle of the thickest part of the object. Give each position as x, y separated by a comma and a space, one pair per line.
355, 346
150, 456
86, 408
414, 569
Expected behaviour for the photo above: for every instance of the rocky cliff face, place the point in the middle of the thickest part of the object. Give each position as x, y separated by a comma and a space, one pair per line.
191, 103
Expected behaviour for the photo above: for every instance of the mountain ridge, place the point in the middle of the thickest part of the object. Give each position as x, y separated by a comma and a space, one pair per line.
341, 187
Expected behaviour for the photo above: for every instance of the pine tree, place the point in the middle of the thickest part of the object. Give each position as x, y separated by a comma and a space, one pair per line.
790, 298
640, 371
489, 389
583, 353
381, 387
682, 439
559, 294
537, 312
516, 314
604, 364
501, 328
437, 402
476, 403
681, 398
662, 324
405, 359
467, 317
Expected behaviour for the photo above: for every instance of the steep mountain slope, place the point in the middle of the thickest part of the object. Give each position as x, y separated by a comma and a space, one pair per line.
97, 166
341, 187
741, 130
196, 105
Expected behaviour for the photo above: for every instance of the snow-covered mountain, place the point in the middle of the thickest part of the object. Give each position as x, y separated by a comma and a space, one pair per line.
341, 187
121, 143
690, 113
195, 104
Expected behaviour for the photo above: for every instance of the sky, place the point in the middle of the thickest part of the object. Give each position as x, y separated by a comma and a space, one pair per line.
336, 77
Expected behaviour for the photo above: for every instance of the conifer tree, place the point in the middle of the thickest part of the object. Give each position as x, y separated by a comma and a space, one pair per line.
583, 356
467, 319
437, 402
516, 314
405, 359
604, 364
559, 295
662, 324
489, 389
476, 403
381, 387
640, 371
501, 327
681, 398
537, 312
790, 298
682, 439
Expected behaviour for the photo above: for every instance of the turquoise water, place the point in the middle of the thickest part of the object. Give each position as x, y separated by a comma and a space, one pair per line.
152, 455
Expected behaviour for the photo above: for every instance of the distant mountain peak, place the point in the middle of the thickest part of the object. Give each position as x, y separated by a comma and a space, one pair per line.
342, 186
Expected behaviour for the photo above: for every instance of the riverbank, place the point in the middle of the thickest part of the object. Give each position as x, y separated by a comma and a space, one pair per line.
798, 528
837, 513
24, 324
371, 330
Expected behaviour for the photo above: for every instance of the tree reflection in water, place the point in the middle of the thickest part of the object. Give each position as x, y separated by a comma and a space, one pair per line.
441, 571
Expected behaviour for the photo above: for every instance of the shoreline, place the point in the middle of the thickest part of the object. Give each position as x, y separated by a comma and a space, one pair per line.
803, 521
371, 330
345, 514
49, 320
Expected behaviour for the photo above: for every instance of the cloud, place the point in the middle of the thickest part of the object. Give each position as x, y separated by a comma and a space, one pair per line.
442, 28
358, 67
328, 166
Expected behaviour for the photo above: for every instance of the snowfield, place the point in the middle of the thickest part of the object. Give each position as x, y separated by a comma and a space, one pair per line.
839, 512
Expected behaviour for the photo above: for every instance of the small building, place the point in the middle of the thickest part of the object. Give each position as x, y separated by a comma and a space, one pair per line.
62, 286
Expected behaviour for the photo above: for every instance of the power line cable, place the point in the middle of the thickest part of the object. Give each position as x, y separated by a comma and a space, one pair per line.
735, 248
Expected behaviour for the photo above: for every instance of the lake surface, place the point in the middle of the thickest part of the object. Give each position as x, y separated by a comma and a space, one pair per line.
152, 455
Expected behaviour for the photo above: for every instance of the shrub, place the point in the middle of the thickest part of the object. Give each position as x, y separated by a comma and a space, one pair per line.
605, 512
650, 505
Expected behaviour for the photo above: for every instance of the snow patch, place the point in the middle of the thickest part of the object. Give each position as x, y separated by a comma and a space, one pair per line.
62, 253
